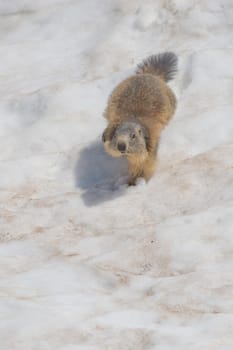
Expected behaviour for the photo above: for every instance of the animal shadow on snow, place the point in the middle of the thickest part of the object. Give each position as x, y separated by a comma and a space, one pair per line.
100, 176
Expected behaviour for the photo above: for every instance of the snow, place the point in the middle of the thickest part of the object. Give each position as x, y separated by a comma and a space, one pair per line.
85, 262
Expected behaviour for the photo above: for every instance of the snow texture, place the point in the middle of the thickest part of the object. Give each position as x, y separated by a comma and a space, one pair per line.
87, 263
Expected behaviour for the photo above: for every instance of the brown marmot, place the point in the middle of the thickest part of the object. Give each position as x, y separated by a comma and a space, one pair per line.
137, 111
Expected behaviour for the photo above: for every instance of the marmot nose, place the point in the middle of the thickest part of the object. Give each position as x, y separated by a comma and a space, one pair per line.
121, 147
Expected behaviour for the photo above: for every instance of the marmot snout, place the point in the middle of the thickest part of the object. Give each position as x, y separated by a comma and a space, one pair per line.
137, 111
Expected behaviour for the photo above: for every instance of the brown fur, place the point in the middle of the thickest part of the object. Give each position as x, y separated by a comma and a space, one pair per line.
146, 99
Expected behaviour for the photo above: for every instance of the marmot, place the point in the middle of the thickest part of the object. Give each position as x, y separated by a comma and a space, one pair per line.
137, 111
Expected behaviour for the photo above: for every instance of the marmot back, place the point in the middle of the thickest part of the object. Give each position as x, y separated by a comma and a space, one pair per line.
145, 102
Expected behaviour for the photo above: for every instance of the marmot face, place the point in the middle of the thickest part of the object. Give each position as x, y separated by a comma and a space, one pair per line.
129, 138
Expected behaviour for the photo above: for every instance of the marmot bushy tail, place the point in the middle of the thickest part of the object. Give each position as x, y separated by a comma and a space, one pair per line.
164, 65
137, 111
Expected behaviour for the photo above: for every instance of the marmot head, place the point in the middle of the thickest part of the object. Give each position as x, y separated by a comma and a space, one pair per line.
128, 138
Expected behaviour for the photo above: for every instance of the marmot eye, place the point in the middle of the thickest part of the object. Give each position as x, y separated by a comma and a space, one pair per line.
133, 136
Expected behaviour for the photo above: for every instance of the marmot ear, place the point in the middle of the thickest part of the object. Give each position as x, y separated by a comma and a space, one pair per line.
146, 137
104, 137
108, 134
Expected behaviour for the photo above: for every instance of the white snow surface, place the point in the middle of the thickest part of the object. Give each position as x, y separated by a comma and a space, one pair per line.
87, 263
